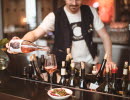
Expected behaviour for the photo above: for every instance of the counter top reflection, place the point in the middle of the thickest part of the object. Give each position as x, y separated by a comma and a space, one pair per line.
24, 89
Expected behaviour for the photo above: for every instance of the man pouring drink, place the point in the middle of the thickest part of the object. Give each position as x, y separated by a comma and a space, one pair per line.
72, 25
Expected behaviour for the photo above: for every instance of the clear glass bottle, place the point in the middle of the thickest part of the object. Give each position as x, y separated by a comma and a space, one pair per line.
105, 86
43, 74
72, 81
98, 79
123, 88
82, 81
63, 74
24, 46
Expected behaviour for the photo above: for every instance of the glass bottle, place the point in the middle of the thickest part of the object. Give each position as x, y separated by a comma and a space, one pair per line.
98, 79
68, 59
24, 46
63, 74
94, 71
43, 74
114, 82
105, 86
100, 72
128, 86
67, 64
82, 81
29, 71
72, 77
124, 83
37, 71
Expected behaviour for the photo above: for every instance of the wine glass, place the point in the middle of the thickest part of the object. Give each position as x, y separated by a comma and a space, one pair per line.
50, 66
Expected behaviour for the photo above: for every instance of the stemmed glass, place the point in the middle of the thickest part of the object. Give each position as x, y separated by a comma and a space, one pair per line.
50, 66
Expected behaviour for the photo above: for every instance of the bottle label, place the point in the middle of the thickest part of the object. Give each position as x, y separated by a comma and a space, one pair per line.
94, 72
63, 71
93, 86
125, 71
15, 45
121, 92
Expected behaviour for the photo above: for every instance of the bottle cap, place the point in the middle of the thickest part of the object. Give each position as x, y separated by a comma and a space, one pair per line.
63, 63
94, 68
82, 65
114, 68
107, 69
126, 64
68, 50
94, 71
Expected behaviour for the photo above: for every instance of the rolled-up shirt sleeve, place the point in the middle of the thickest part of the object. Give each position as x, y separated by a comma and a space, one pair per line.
48, 23
98, 24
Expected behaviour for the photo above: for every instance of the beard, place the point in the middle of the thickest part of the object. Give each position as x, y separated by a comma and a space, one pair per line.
74, 6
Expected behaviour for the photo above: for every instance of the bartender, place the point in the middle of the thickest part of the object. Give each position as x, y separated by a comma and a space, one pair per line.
72, 25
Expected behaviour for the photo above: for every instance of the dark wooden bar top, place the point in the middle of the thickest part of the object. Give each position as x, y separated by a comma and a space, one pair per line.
24, 89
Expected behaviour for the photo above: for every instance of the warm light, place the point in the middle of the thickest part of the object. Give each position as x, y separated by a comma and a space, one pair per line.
95, 4
24, 20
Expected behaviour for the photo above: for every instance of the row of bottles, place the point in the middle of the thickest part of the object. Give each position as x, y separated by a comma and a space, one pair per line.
73, 80
98, 76
35, 69
108, 86
105, 80
114, 85
70, 75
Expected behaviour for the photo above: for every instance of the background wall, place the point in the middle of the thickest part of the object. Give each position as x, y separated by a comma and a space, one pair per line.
106, 9
13, 12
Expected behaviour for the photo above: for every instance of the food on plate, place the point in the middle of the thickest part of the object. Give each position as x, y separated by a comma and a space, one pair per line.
59, 92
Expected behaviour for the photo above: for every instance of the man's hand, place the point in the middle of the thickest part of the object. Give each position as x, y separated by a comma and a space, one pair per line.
7, 46
110, 64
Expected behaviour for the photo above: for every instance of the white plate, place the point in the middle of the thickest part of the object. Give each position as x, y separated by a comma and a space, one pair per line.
60, 97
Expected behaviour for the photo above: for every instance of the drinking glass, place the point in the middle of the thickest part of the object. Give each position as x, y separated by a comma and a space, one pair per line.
50, 65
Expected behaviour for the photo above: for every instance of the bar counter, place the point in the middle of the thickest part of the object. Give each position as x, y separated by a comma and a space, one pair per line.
16, 88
